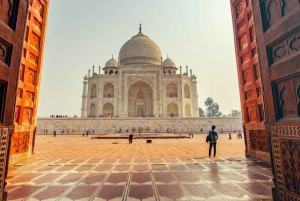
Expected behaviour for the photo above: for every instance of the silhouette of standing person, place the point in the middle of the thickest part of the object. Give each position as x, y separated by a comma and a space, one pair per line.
130, 137
213, 140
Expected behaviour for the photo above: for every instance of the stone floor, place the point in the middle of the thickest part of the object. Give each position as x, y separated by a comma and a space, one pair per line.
80, 168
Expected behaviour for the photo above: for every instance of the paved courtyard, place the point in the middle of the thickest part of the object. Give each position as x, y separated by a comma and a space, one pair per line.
72, 167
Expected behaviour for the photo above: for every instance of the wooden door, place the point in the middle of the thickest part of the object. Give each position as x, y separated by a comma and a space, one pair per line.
12, 25
277, 27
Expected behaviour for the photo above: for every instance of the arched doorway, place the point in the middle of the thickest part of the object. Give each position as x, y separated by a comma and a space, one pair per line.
172, 110
140, 100
108, 110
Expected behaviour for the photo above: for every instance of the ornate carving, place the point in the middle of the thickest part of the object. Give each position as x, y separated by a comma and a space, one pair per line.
34, 59
285, 48
27, 116
289, 154
6, 8
279, 51
35, 41
243, 42
19, 142
273, 13
258, 140
4, 138
5, 51
286, 95
31, 77
239, 9
248, 94
294, 44
148, 79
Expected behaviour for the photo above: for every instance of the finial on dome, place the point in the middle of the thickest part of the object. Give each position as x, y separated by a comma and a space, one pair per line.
167, 56
112, 56
140, 28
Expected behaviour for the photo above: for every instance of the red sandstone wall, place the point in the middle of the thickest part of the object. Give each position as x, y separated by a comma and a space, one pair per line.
249, 76
25, 117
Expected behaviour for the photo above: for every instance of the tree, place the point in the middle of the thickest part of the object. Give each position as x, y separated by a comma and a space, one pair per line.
236, 113
201, 112
212, 108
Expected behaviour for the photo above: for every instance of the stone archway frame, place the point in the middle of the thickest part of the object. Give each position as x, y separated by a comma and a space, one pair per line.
145, 81
125, 82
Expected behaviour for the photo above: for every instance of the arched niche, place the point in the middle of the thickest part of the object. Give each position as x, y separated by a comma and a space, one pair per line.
187, 110
108, 90
93, 91
108, 110
92, 110
186, 91
171, 90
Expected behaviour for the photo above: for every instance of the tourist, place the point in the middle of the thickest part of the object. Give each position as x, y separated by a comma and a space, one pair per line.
54, 134
130, 137
229, 136
192, 134
213, 140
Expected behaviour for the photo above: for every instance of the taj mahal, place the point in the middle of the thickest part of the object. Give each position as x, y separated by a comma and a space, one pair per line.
140, 84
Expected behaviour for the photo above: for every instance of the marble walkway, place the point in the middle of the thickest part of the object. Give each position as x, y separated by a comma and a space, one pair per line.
72, 167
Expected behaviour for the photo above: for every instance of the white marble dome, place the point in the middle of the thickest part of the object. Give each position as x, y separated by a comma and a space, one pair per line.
140, 49
111, 63
169, 63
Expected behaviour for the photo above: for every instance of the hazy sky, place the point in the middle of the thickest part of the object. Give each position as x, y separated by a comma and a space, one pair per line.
80, 34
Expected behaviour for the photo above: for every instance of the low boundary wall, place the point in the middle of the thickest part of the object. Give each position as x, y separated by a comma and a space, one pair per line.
144, 124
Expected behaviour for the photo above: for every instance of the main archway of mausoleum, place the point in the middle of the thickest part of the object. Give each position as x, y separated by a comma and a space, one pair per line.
140, 100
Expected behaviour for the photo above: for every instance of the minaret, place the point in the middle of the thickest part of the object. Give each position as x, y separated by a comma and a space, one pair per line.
187, 70
180, 69
84, 98
93, 70
191, 73
89, 75
99, 69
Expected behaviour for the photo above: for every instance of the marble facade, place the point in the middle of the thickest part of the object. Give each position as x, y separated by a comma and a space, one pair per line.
140, 84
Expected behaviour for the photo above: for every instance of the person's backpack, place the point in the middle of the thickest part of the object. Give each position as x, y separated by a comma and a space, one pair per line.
207, 138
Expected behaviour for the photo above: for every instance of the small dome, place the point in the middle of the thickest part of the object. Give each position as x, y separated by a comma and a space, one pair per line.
85, 77
111, 63
169, 63
140, 49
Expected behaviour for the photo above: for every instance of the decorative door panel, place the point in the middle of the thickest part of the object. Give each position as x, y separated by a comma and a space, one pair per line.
277, 26
12, 26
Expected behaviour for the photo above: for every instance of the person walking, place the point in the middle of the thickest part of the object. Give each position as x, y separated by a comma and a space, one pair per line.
213, 140
54, 134
130, 137
229, 136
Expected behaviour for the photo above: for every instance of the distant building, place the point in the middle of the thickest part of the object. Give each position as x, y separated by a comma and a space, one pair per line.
140, 84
